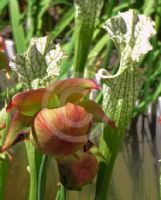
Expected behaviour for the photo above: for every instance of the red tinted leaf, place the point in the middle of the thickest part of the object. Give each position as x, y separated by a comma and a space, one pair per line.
68, 90
61, 131
97, 112
30, 102
72, 89
77, 170
18, 124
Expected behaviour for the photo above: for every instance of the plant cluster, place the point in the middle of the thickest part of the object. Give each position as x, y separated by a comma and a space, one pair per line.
63, 91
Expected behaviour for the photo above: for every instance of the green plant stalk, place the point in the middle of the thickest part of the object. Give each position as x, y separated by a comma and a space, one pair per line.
3, 162
34, 160
104, 177
3, 176
62, 192
58, 195
81, 49
86, 16
42, 178
36, 174
31, 154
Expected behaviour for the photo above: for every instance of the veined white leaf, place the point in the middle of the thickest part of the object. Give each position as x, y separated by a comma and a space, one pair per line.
131, 34
41, 61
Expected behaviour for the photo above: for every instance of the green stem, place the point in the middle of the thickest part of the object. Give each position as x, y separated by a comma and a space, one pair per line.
62, 192
106, 168
81, 50
3, 176
58, 195
42, 178
33, 175
4, 163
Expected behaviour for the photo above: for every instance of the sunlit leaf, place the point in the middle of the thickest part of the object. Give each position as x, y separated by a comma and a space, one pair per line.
30, 102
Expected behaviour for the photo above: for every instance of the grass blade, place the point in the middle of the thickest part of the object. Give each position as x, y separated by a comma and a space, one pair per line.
63, 23
3, 5
17, 28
